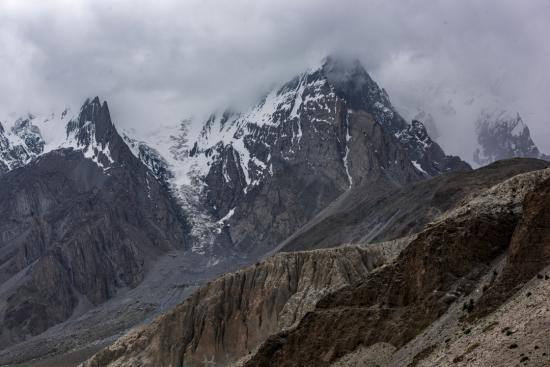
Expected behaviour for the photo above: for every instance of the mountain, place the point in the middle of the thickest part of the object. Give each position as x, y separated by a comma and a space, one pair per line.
265, 172
79, 223
502, 135
461, 278
128, 227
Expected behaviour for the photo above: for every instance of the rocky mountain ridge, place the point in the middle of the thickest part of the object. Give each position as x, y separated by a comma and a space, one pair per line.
477, 232
402, 300
219, 200
19, 144
30, 137
329, 128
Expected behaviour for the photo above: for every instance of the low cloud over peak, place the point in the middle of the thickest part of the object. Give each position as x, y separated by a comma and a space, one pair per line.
158, 61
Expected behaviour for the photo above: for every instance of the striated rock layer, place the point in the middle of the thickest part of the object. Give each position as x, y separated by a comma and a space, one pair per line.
229, 317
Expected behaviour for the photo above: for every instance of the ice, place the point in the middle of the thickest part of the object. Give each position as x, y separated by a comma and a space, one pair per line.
42, 133
53, 129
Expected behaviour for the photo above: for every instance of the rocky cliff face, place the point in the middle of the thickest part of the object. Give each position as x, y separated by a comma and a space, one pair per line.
78, 224
529, 251
231, 316
504, 320
502, 135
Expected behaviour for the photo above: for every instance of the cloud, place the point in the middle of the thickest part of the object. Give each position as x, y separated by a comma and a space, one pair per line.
159, 61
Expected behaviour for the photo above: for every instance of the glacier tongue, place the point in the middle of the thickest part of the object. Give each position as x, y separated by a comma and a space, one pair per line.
204, 227
167, 154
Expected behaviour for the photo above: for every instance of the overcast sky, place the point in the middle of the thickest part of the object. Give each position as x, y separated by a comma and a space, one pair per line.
159, 61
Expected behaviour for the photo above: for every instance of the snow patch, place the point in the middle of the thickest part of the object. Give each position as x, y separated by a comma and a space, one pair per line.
227, 216
346, 156
419, 167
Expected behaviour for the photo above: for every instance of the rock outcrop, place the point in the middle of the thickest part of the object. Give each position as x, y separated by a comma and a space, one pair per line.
428, 120
426, 155
529, 251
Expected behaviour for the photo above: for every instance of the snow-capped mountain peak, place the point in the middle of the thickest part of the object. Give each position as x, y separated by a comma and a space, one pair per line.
324, 132
28, 138
502, 135
327, 131
91, 132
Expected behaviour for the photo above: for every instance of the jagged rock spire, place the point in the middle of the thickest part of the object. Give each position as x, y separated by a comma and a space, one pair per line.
93, 116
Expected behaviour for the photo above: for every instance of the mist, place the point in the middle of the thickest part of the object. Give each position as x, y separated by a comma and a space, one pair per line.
157, 62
